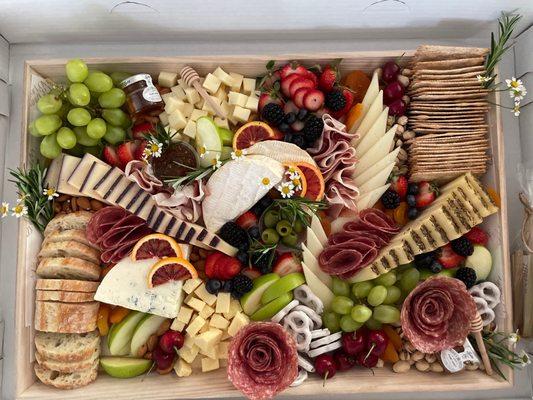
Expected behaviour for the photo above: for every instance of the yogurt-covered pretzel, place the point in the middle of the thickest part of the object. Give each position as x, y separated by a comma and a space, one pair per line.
325, 349
486, 313
487, 291
326, 340
318, 333
284, 311
302, 376
305, 363
304, 294
311, 314
299, 326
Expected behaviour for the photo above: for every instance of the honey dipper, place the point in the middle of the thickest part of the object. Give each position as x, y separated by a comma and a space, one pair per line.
191, 78
476, 326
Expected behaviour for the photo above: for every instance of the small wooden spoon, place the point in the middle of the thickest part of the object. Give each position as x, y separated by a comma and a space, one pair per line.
191, 78
476, 326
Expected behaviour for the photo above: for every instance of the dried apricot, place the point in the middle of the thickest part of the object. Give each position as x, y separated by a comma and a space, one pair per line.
102, 321
390, 354
118, 314
358, 82
495, 196
393, 336
354, 115
400, 214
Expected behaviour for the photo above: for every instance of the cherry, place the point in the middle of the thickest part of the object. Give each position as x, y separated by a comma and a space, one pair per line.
393, 91
354, 342
162, 360
390, 71
171, 341
343, 361
325, 366
377, 342
397, 108
367, 360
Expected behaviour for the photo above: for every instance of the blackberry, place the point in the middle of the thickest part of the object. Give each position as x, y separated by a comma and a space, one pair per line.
462, 246
435, 267
390, 199
273, 113
242, 256
263, 262
287, 137
467, 276
299, 141
234, 235
290, 118
213, 286
412, 188
412, 213
335, 100
240, 286
313, 129
411, 200
301, 114
424, 260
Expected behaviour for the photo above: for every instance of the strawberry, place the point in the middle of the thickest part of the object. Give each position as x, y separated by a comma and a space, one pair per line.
426, 194
269, 97
247, 220
287, 263
110, 156
140, 131
299, 83
286, 84
292, 68
228, 267
139, 151
126, 152
313, 99
348, 95
211, 264
311, 75
328, 78
477, 235
399, 185
449, 258
270, 80
299, 96
251, 272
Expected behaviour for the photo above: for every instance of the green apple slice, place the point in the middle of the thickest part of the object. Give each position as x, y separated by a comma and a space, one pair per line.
120, 334
226, 153
283, 285
226, 136
208, 142
251, 301
125, 367
480, 261
144, 329
270, 309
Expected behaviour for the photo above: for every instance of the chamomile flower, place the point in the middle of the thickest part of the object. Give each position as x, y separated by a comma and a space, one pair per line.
516, 109
286, 189
50, 193
216, 162
513, 82
483, 79
155, 148
513, 338
265, 181
238, 154
202, 150
296, 181
518, 93
4, 209
19, 210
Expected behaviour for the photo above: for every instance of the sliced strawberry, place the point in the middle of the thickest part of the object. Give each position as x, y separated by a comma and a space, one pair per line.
110, 156
287, 263
247, 220
299, 97
399, 185
126, 152
426, 194
477, 236
349, 97
311, 75
139, 151
297, 125
292, 68
228, 267
269, 97
314, 99
290, 107
140, 131
286, 84
300, 82
449, 258
211, 264
251, 272
328, 78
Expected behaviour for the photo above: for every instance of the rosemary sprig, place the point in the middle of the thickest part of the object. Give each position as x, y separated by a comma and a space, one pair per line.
161, 135
30, 187
197, 174
297, 209
258, 250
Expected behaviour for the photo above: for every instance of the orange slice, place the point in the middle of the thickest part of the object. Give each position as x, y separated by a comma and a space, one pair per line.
400, 214
251, 133
171, 269
314, 179
302, 181
354, 115
156, 245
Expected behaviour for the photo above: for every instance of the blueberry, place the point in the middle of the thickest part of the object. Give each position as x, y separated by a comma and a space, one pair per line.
284, 127
287, 137
299, 141
290, 118
213, 286
411, 200
242, 256
435, 267
412, 188
412, 213
302, 114
254, 232
227, 286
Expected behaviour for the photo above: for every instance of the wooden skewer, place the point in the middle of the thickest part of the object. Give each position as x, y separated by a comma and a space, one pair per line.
191, 78
476, 326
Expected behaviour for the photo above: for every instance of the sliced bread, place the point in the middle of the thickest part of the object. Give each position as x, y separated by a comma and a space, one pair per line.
66, 380
67, 297
53, 316
68, 285
67, 347
69, 366
70, 248
63, 222
68, 268
77, 235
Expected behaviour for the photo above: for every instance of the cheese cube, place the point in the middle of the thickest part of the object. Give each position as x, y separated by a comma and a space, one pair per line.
163, 117
190, 128
178, 92
211, 83
206, 312
221, 123
237, 99
177, 120
188, 354
197, 114
223, 76
203, 294
184, 315
192, 95
183, 85
189, 296
223, 302
167, 79
209, 339
241, 114
173, 103
218, 321
210, 352
222, 350
166, 96
187, 109
191, 284
196, 324
240, 320
252, 103
227, 108
205, 328
177, 325
234, 308
236, 81
210, 364
248, 85
225, 335
195, 304
207, 107
182, 369
189, 341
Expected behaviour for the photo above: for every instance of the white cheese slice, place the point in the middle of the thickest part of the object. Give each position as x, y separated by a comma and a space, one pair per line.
376, 152
375, 133
318, 287
363, 178
313, 244
237, 186
318, 230
312, 262
370, 166
282, 152
376, 181
371, 198
126, 285
368, 120
371, 93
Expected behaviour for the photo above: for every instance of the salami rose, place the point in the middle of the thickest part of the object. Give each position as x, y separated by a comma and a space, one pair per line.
437, 314
262, 360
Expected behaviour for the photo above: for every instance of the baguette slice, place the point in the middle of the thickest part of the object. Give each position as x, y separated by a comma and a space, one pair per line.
67, 297
77, 235
51, 316
69, 366
70, 248
65, 380
67, 347
74, 220
68, 268
67, 285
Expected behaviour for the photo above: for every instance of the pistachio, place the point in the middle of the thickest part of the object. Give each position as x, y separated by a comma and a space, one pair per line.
407, 135
404, 355
401, 366
406, 99
409, 347
404, 81
407, 72
402, 155
165, 371
402, 120
400, 129
398, 143
431, 358
417, 356
380, 363
436, 367
422, 365
391, 120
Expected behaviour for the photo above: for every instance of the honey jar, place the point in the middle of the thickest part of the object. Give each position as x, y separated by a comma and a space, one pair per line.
141, 94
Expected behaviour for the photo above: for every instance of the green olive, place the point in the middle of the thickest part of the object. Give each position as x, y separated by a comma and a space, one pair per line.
270, 236
271, 218
298, 226
283, 227
290, 240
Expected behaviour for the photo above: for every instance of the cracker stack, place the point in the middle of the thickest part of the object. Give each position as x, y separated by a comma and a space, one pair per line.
67, 343
447, 113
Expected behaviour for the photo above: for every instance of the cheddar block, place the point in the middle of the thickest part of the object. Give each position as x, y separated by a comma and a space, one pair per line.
163, 117
192, 95
210, 364
223, 76
187, 109
173, 103
189, 341
221, 93
248, 85
237, 99
184, 314
206, 311
208, 340
218, 321
234, 308
167, 79
241, 114
190, 129
177, 325
252, 103
188, 354
222, 350
177, 120
178, 92
236, 81
240, 320
197, 114
221, 123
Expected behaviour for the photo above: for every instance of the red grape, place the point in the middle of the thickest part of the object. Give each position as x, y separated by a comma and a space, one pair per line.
390, 71
397, 108
393, 91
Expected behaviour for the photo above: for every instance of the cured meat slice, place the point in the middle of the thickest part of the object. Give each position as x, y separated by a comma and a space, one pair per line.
373, 219
262, 360
102, 221
437, 314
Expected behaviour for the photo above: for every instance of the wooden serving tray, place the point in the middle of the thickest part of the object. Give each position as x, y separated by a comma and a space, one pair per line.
215, 384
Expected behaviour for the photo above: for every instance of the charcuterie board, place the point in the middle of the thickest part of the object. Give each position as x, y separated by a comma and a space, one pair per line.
96, 178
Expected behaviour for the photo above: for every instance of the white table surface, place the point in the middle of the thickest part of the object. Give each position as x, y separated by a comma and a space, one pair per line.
19, 53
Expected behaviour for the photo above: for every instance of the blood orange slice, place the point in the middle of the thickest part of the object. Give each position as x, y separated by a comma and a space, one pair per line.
171, 269
314, 180
298, 178
251, 133
156, 245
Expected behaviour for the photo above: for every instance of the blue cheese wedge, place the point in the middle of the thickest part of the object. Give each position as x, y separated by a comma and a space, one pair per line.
126, 285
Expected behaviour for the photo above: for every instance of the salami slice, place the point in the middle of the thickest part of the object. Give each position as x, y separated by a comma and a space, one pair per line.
437, 314
262, 360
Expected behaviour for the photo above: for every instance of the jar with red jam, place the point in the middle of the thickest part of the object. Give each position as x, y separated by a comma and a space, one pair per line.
141, 94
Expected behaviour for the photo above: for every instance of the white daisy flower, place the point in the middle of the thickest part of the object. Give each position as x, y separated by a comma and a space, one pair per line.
155, 148
265, 181
482, 78
513, 338
516, 109
19, 210
202, 150
513, 82
4, 209
50, 193
518, 93
238, 154
216, 162
286, 189
296, 181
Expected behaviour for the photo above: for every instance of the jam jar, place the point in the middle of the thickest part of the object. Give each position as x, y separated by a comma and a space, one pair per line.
141, 94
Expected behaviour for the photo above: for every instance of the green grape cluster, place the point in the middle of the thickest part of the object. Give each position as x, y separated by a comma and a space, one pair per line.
78, 118
370, 303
